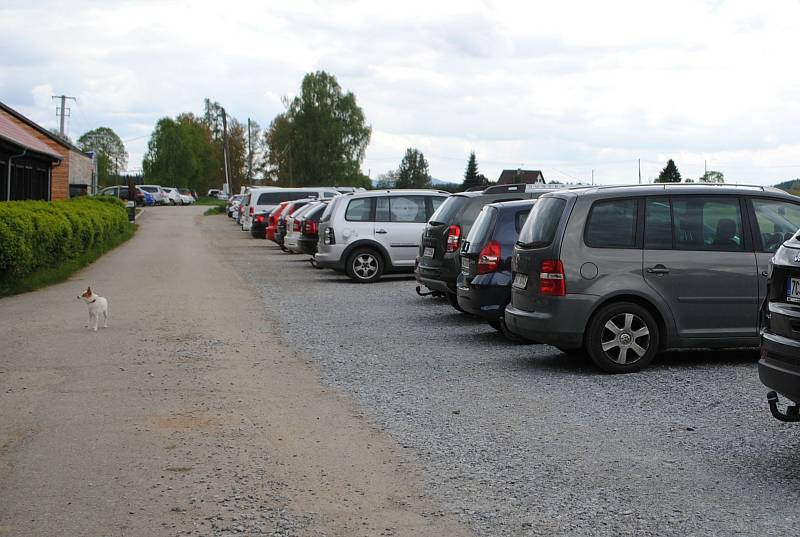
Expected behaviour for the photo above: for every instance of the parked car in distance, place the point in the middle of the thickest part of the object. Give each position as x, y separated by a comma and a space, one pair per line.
266, 198
779, 366
294, 228
484, 285
258, 229
216, 193
368, 233
187, 197
439, 253
626, 271
309, 236
272, 224
141, 197
280, 232
173, 196
157, 192
232, 204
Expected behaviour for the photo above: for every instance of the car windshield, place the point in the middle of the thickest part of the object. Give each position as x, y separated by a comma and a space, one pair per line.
540, 228
448, 210
481, 230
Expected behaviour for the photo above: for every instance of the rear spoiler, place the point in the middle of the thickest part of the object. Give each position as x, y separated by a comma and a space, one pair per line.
524, 187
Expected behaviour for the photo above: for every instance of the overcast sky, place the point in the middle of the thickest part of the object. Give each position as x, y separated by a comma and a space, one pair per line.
565, 87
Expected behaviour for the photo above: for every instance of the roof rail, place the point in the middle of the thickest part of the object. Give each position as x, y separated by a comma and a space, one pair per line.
524, 187
476, 189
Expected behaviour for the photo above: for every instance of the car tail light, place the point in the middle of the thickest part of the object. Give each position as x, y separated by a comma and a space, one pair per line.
260, 218
252, 210
551, 279
296, 226
310, 227
453, 238
328, 236
489, 258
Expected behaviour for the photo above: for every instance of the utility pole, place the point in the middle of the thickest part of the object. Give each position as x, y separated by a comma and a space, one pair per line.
593, 177
705, 168
63, 111
640, 171
225, 150
249, 154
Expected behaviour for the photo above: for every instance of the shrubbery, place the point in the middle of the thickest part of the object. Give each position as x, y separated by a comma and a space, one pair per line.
36, 234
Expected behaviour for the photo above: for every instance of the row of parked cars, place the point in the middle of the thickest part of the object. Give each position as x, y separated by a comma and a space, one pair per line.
149, 195
618, 272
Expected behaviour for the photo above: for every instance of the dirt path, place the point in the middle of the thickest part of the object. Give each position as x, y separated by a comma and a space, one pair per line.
186, 416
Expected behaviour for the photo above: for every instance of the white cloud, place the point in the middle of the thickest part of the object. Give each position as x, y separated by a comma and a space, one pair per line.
563, 86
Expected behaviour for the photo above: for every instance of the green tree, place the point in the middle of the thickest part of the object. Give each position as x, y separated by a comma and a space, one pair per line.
711, 177
387, 180
471, 176
112, 158
413, 171
669, 174
321, 138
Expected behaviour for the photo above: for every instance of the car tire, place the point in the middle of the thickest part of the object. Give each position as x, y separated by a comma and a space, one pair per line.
622, 338
364, 265
453, 300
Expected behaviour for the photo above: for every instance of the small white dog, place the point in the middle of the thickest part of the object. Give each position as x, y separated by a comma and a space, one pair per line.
97, 306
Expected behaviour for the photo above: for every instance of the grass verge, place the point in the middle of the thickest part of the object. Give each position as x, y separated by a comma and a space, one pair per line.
50, 275
205, 200
219, 209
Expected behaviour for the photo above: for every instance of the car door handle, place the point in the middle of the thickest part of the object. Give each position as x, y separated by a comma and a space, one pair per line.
381, 231
658, 269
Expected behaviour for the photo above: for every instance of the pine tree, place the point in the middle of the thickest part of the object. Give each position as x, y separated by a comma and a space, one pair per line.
413, 170
669, 174
471, 176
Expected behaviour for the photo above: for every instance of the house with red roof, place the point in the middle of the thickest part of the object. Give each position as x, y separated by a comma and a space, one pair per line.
38, 164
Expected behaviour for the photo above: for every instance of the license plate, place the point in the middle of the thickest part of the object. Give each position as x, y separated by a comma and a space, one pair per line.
465, 264
793, 290
520, 280
428, 252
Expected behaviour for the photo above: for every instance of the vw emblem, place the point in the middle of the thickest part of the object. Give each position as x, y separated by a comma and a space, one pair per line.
797, 258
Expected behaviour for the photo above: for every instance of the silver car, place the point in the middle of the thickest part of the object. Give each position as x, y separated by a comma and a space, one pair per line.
626, 271
368, 233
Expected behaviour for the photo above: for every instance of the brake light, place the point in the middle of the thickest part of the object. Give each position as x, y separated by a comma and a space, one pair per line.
252, 210
260, 218
311, 227
489, 258
551, 279
453, 239
296, 226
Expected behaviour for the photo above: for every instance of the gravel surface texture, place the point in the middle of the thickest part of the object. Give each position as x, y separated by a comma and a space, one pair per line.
524, 440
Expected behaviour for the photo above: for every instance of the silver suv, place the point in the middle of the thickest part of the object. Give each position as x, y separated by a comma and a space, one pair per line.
627, 271
368, 233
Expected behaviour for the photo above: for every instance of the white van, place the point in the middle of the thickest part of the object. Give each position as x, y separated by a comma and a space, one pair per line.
264, 199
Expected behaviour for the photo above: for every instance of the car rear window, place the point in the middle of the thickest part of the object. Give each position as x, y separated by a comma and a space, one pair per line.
315, 212
612, 224
277, 196
447, 211
540, 227
481, 230
359, 210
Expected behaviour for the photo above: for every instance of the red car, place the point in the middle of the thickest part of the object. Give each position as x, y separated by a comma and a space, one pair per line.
273, 220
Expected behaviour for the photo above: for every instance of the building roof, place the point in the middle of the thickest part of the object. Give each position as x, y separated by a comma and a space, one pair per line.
56, 138
15, 134
520, 176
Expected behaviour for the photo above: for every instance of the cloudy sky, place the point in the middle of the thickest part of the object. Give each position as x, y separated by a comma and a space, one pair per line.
566, 87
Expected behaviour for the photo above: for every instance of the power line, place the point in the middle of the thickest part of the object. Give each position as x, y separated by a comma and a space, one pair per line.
63, 111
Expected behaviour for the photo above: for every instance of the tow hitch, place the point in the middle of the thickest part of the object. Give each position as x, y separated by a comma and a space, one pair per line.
429, 293
792, 413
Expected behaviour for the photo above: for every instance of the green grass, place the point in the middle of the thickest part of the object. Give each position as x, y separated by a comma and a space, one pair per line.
217, 209
50, 275
205, 200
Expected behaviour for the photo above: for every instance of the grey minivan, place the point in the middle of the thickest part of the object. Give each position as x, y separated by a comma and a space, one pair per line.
626, 271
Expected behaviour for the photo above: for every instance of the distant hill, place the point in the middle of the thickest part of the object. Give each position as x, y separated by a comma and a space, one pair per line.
792, 185
434, 181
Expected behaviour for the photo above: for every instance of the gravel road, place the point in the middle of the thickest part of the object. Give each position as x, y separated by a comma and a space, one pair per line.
523, 440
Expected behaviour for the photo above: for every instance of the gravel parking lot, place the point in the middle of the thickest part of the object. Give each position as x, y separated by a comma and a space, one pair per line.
524, 440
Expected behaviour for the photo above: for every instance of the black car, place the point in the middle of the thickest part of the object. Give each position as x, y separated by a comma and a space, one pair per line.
259, 227
439, 253
310, 230
484, 285
280, 232
779, 366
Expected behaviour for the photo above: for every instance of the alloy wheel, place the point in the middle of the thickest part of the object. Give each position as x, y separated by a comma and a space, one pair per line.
365, 266
625, 338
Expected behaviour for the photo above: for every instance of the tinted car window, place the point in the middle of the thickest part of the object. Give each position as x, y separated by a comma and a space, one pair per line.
540, 227
316, 212
407, 209
277, 196
436, 202
707, 223
448, 210
481, 230
777, 221
520, 218
612, 224
658, 224
359, 210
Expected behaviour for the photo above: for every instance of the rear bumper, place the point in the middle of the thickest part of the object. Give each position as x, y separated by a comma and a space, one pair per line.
307, 246
329, 259
560, 321
487, 301
779, 367
440, 277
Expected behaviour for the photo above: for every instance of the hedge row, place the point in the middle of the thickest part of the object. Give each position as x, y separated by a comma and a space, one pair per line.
35, 234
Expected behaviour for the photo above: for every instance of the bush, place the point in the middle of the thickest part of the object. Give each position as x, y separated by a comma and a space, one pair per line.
36, 234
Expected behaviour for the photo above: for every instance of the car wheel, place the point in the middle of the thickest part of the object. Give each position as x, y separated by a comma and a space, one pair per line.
453, 300
365, 265
622, 338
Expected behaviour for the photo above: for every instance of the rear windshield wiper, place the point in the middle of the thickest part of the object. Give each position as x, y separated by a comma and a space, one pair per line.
435, 223
534, 244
